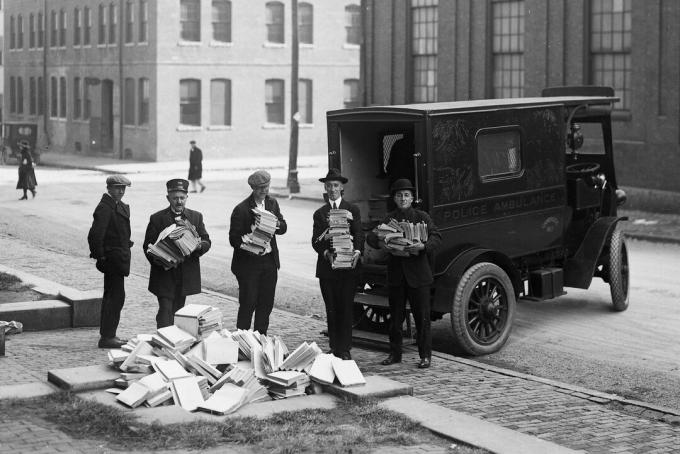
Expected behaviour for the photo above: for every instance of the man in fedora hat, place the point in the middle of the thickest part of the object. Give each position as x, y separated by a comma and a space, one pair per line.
172, 286
109, 241
337, 285
256, 273
409, 277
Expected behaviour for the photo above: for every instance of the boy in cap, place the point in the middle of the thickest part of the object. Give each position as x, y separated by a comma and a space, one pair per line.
337, 286
172, 286
256, 274
109, 241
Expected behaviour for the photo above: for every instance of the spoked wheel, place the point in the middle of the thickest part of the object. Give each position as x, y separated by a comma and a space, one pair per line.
483, 310
617, 270
371, 318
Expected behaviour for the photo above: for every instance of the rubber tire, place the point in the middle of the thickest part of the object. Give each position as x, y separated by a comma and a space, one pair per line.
464, 342
618, 270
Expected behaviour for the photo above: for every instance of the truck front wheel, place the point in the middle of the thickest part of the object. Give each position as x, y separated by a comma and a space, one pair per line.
617, 270
483, 310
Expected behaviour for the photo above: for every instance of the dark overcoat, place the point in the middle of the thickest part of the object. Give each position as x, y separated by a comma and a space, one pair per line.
109, 236
323, 266
242, 219
414, 270
195, 164
26, 178
161, 281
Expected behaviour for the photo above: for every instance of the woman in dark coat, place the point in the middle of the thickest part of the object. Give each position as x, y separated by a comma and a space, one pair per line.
27, 181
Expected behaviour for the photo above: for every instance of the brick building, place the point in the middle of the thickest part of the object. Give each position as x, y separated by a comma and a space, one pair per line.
446, 50
141, 78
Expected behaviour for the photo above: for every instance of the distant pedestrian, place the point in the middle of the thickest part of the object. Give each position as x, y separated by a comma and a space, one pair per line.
195, 167
409, 278
172, 286
109, 241
337, 285
256, 273
27, 181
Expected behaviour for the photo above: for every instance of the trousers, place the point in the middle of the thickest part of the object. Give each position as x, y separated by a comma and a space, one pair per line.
338, 296
112, 304
167, 306
256, 289
419, 299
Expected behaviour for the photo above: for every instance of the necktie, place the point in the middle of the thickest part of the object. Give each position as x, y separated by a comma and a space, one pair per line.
335, 207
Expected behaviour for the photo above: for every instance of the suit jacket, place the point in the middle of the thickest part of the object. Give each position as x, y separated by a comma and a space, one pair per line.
414, 270
323, 266
242, 219
161, 281
109, 236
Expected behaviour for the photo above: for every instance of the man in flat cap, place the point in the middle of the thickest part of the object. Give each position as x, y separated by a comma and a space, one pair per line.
256, 270
337, 285
171, 286
109, 241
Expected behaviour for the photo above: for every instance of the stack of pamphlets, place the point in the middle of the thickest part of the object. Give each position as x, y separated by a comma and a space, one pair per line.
263, 230
287, 383
174, 244
398, 235
199, 320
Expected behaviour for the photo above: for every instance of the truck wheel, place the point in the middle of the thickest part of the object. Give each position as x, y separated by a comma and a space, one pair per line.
617, 270
483, 310
371, 318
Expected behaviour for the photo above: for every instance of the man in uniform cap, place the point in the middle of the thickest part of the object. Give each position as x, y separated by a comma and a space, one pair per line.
256, 273
109, 241
337, 285
172, 286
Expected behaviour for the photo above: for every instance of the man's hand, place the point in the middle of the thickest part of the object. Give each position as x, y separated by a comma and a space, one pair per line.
328, 255
415, 248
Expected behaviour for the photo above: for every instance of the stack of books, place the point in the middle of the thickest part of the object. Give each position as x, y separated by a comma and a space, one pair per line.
174, 244
302, 357
327, 369
286, 383
342, 245
173, 338
199, 320
398, 235
263, 230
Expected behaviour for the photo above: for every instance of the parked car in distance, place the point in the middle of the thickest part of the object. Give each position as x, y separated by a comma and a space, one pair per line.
12, 134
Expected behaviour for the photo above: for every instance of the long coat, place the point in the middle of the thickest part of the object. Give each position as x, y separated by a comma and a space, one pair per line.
242, 219
161, 281
414, 270
26, 173
109, 236
323, 266
195, 163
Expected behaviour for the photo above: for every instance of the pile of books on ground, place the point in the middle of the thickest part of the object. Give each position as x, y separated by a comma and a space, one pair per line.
222, 371
263, 229
398, 235
174, 244
342, 244
199, 320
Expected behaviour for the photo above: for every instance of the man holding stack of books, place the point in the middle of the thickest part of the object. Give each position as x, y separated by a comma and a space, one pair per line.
338, 240
175, 239
255, 222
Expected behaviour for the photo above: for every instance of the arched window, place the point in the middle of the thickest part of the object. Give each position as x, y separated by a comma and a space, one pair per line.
274, 21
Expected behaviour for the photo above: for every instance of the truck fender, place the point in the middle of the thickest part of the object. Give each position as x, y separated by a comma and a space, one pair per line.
580, 268
445, 283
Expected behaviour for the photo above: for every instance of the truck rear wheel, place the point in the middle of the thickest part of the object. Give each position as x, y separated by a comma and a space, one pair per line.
617, 270
483, 310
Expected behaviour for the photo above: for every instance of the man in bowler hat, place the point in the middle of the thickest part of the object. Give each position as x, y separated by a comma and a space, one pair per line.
109, 241
337, 286
256, 274
173, 285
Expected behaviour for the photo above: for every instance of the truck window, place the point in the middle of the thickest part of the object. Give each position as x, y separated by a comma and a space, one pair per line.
593, 139
498, 153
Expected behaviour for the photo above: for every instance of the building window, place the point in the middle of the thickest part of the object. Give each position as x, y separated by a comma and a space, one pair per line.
508, 49
221, 20
129, 112
190, 102
41, 96
190, 20
274, 101
143, 21
143, 116
274, 21
12, 33
350, 96
424, 27
306, 23
87, 101
305, 101
220, 102
20, 32
12, 95
54, 97
31, 31
113, 23
353, 24
87, 29
102, 24
32, 97
62, 28
62, 97
77, 98
54, 34
129, 21
610, 47
20, 95
77, 26
41, 30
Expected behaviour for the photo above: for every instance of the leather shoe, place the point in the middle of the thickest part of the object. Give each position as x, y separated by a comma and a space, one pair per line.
111, 342
391, 359
424, 363
344, 355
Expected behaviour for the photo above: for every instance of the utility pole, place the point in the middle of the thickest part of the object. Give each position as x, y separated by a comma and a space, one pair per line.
293, 185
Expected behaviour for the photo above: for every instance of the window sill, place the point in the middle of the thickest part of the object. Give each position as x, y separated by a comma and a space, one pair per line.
270, 45
219, 128
188, 128
306, 45
220, 44
348, 46
306, 125
273, 126
188, 43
